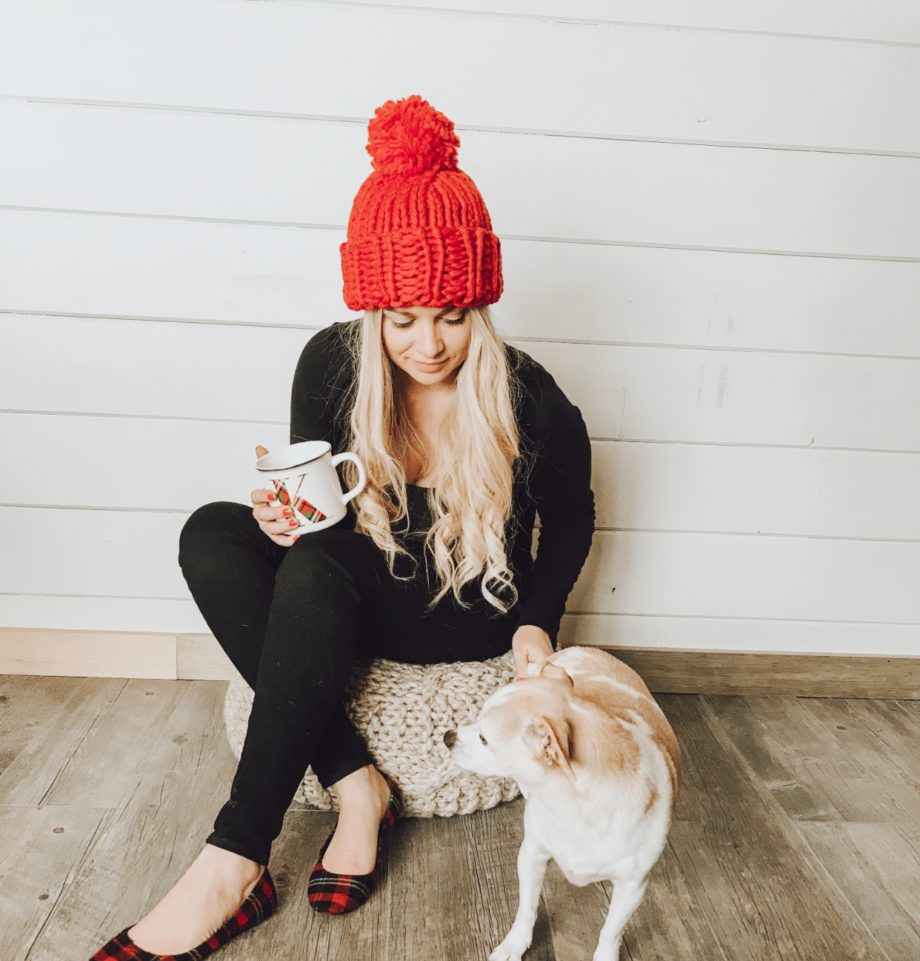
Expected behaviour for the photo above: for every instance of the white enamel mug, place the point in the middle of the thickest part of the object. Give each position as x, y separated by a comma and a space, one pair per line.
306, 480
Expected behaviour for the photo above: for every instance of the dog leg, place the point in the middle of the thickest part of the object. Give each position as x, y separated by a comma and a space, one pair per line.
627, 895
531, 866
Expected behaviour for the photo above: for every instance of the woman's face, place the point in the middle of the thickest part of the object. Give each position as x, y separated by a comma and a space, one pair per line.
427, 343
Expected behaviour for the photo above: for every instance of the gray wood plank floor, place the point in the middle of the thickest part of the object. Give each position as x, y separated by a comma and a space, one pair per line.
796, 836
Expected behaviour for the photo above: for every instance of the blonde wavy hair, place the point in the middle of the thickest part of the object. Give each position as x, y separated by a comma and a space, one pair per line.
472, 463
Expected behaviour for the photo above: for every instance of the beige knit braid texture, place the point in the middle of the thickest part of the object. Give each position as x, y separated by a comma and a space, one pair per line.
402, 711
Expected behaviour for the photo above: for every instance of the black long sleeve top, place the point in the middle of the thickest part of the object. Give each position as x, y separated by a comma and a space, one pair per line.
558, 486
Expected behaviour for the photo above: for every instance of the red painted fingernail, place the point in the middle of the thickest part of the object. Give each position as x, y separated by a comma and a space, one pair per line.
271, 497
296, 536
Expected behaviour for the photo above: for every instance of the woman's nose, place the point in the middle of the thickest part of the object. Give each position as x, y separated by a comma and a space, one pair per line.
430, 348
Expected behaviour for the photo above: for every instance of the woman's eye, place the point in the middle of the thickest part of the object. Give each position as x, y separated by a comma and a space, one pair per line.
484, 741
453, 322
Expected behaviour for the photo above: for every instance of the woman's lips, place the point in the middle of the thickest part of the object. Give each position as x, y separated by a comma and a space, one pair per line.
428, 366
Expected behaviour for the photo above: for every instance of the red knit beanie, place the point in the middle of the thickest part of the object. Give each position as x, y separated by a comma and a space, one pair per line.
419, 233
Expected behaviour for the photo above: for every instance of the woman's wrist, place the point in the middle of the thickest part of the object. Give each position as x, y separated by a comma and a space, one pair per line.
531, 645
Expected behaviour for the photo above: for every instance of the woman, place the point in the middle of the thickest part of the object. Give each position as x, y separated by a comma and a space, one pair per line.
464, 438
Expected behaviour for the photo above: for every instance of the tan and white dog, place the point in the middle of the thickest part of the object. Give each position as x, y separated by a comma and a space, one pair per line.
599, 767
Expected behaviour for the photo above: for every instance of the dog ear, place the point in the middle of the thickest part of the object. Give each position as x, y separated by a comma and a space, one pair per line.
551, 743
555, 672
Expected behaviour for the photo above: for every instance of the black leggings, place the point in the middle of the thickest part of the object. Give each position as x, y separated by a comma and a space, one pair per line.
293, 620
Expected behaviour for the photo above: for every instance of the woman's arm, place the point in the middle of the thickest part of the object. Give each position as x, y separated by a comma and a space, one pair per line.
561, 487
311, 406
315, 398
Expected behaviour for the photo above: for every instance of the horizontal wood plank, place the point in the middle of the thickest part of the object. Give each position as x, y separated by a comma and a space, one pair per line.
689, 575
720, 86
191, 371
783, 201
641, 486
896, 21
85, 265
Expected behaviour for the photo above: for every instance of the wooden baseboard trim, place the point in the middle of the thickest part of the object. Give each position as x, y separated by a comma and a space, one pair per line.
673, 670
764, 672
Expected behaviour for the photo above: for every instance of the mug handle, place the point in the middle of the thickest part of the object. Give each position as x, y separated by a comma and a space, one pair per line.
362, 477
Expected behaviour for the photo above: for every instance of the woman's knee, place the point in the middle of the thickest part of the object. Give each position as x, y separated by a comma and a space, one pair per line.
210, 523
346, 551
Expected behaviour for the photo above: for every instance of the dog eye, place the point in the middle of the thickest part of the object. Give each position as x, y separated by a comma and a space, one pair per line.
482, 738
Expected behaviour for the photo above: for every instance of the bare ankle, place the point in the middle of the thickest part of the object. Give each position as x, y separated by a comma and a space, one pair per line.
360, 785
229, 864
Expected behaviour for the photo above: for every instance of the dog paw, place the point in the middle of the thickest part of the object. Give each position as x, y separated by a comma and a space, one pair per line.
510, 950
606, 952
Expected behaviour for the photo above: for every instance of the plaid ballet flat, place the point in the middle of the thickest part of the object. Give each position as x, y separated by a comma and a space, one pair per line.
332, 893
259, 904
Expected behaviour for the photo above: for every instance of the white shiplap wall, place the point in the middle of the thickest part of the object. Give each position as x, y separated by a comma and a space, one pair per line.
709, 220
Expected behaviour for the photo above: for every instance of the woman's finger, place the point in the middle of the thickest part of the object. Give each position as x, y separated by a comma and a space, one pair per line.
260, 496
520, 663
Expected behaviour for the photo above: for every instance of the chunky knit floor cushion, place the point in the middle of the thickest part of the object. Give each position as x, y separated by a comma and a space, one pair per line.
402, 711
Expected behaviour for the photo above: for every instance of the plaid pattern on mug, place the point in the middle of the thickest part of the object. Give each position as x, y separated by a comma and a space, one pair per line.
332, 893
260, 904
301, 504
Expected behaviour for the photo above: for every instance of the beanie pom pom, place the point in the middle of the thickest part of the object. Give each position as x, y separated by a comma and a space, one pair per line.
409, 136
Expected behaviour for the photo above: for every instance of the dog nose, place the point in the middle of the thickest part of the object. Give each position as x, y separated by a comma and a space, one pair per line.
450, 737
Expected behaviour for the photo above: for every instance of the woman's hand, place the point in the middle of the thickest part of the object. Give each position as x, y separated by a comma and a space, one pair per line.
274, 518
531, 645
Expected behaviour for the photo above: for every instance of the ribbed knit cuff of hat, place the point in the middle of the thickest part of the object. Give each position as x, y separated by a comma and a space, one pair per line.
427, 266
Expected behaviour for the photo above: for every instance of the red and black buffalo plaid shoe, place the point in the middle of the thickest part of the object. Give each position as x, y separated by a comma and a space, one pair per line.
332, 893
259, 904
